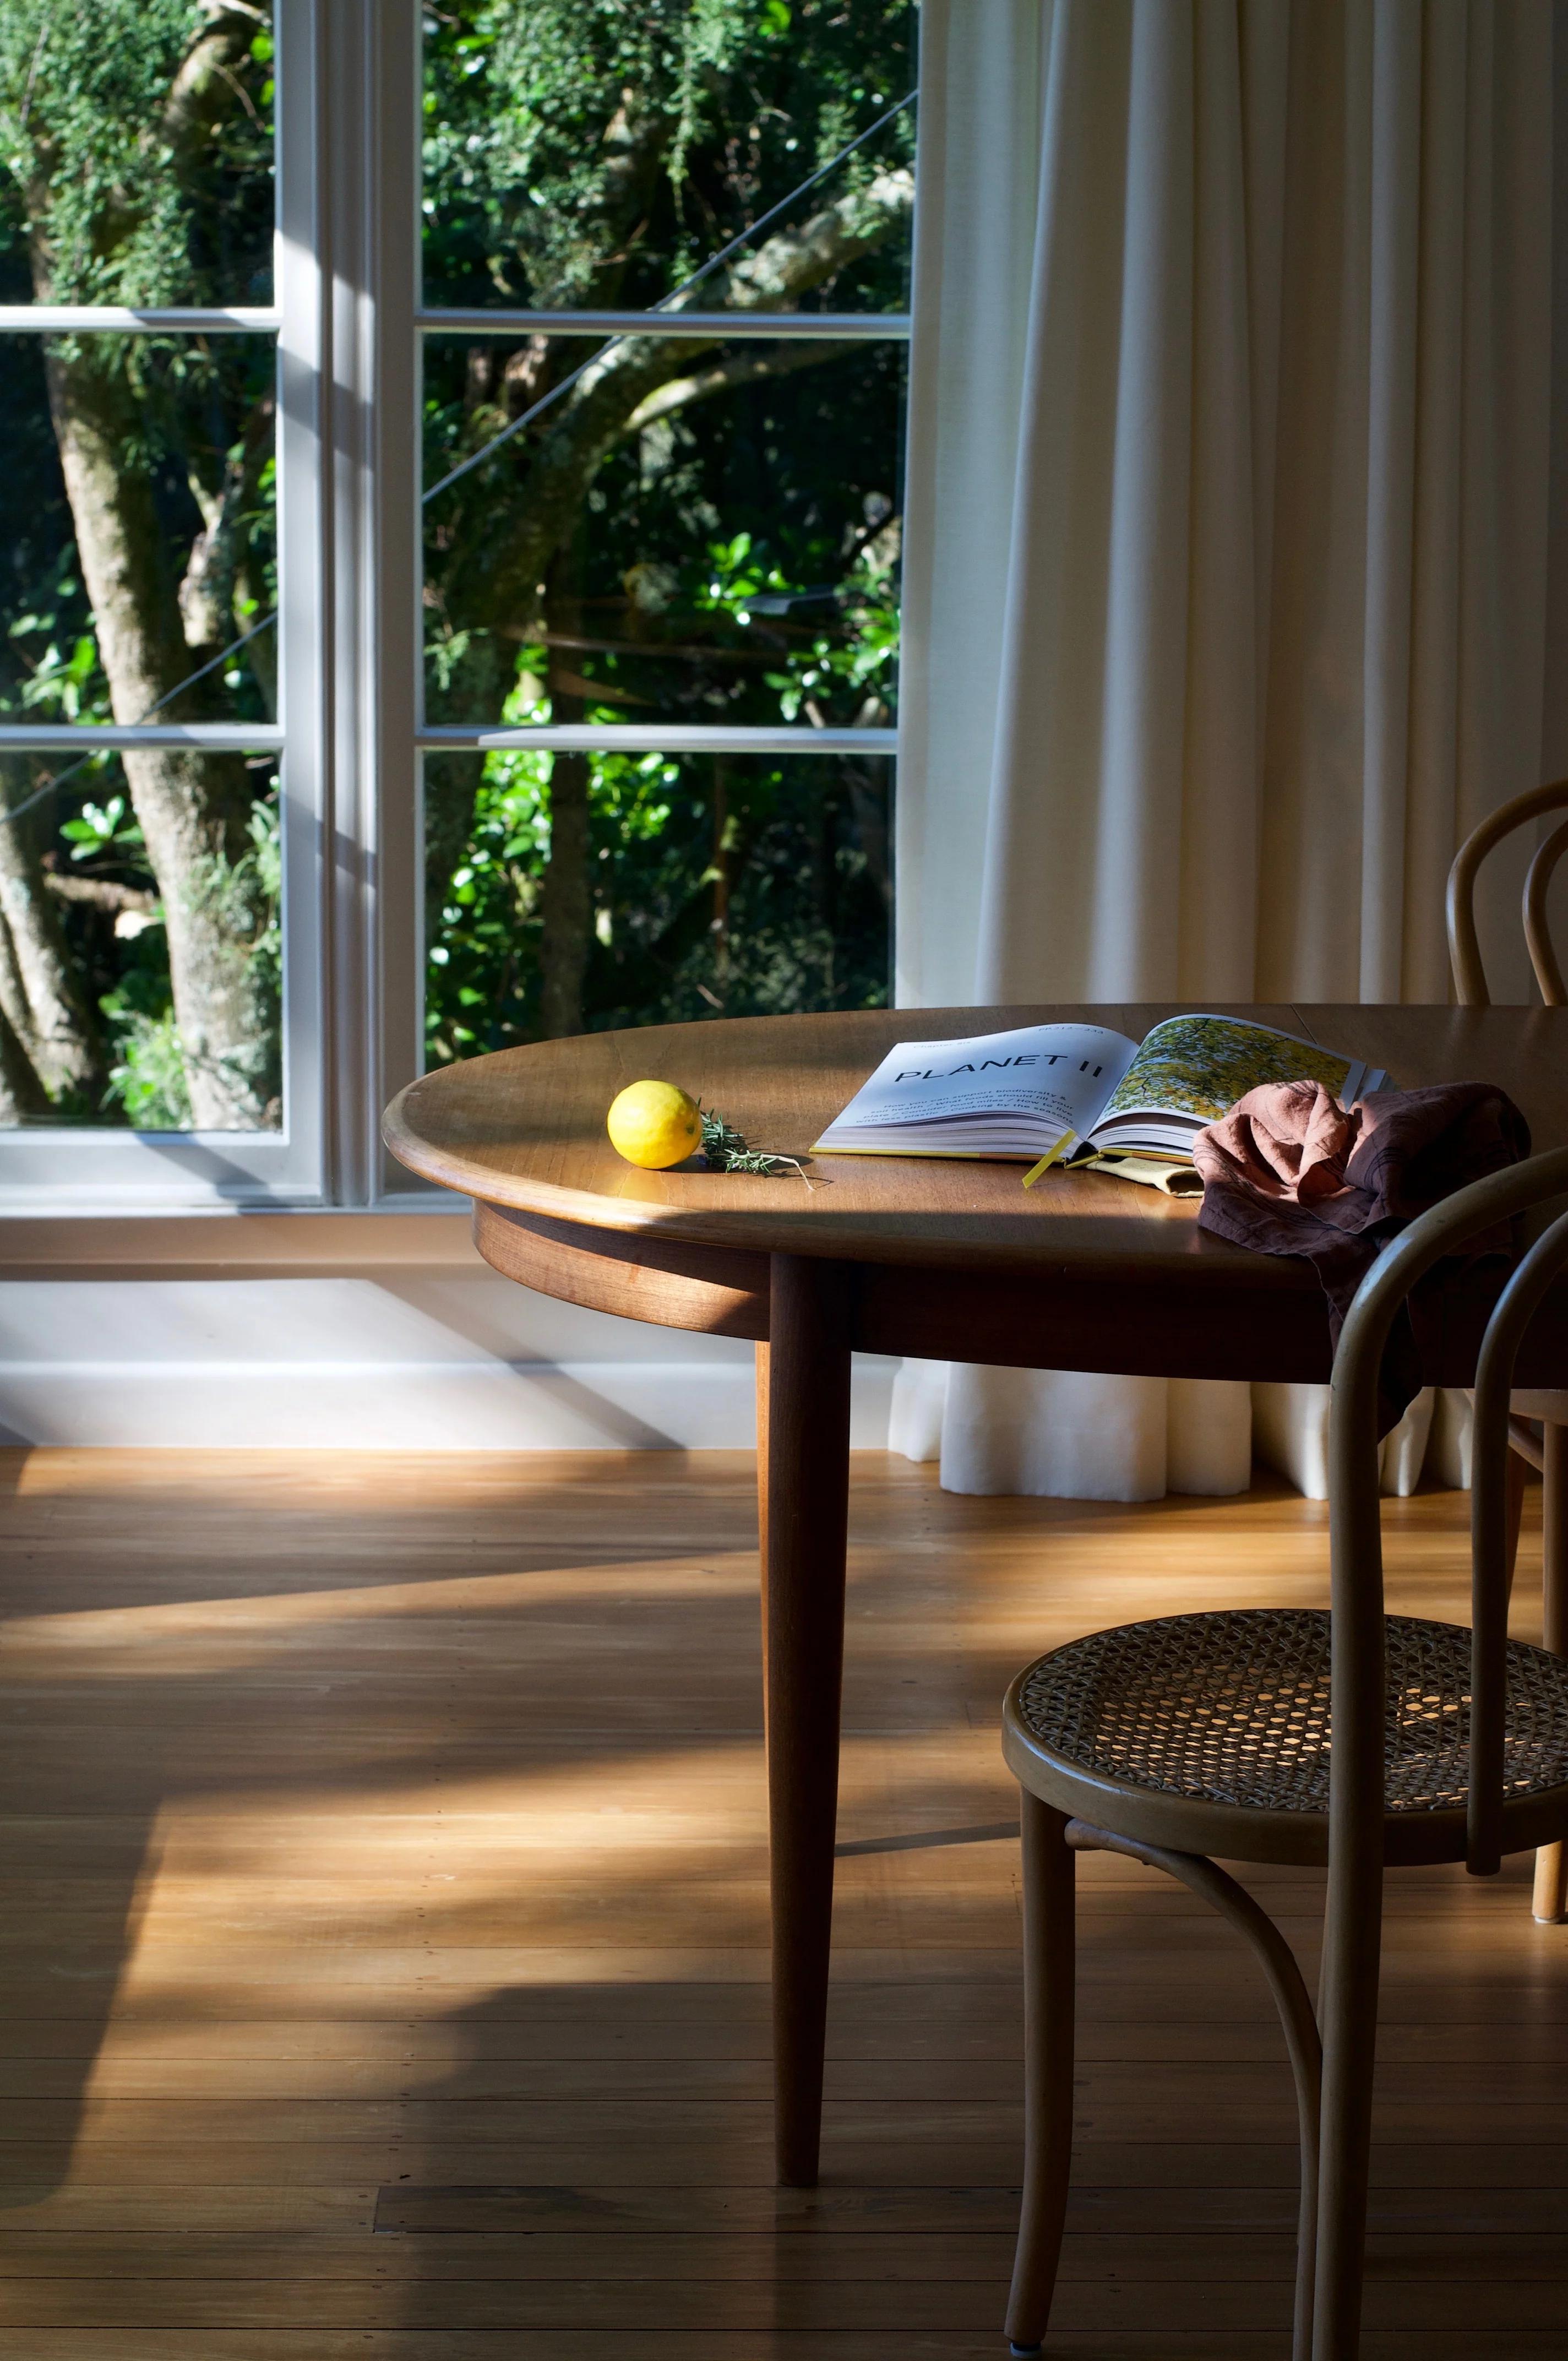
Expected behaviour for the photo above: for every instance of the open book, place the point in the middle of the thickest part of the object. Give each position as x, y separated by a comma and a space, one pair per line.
1080, 1092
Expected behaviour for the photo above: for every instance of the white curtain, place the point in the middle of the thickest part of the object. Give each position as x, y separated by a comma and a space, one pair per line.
1227, 553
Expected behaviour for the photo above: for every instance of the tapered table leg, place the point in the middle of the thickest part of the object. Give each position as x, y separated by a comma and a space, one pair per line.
808, 1391
761, 1354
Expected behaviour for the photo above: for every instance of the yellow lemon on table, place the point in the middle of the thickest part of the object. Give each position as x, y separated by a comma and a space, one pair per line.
654, 1124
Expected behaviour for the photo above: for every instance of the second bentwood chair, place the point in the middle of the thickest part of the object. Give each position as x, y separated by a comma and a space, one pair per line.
1193, 1736
1550, 1410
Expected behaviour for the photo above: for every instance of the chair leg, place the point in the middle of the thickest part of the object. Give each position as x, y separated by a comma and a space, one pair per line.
1551, 1899
1296, 2022
1048, 1972
1352, 1949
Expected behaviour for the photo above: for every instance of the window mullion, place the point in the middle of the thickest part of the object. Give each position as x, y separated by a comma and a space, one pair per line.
302, 658
368, 146
395, 113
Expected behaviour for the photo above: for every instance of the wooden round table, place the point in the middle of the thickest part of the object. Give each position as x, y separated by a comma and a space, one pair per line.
949, 1260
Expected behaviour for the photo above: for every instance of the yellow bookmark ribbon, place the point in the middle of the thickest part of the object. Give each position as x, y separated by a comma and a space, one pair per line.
1045, 1162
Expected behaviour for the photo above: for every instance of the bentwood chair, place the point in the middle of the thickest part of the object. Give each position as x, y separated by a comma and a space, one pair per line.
1550, 1410
1193, 1736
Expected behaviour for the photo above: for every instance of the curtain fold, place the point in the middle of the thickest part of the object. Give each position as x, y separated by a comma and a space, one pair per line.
1227, 545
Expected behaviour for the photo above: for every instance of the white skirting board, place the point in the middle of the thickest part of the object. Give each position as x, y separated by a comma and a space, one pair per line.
412, 1406
451, 1359
401, 1362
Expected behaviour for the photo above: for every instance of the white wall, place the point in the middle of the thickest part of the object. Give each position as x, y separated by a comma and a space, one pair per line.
400, 1358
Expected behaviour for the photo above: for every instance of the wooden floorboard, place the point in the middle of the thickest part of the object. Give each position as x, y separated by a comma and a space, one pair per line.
383, 1925
897, 2339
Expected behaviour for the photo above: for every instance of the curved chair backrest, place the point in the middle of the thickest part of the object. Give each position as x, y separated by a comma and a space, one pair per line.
1356, 1783
1463, 950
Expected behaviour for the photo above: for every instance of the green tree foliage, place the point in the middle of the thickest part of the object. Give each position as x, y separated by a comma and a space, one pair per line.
700, 528
580, 153
709, 531
138, 139
136, 143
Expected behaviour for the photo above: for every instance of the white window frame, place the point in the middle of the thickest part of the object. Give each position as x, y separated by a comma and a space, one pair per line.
352, 732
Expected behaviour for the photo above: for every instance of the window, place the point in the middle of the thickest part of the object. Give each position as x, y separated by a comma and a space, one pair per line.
158, 839
451, 554
667, 601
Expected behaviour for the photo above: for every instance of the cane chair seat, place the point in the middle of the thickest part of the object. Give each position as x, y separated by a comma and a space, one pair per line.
1211, 1734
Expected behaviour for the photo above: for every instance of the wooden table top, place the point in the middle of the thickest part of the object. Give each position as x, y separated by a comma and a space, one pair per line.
525, 1129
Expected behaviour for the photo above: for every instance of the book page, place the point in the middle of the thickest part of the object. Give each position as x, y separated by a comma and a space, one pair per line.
1195, 1069
1046, 1079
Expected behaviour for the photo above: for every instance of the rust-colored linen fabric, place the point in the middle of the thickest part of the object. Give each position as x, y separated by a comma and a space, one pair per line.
1290, 1171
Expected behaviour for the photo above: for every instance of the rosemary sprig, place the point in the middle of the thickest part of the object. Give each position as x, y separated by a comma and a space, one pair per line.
725, 1151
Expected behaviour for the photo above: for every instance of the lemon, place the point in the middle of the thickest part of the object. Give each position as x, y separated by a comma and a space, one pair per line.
654, 1124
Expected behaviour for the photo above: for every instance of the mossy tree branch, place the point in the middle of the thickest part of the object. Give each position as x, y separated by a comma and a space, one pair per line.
495, 568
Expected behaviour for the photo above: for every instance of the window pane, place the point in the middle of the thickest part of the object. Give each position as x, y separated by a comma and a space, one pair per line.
138, 153
127, 866
567, 892
137, 527
588, 154
701, 535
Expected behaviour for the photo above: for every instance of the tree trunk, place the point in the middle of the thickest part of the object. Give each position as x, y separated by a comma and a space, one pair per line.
21, 1093
565, 899
14, 1008
193, 806
39, 995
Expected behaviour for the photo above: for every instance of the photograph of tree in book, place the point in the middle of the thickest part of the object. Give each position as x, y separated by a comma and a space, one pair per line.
696, 532
139, 969
1202, 1065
